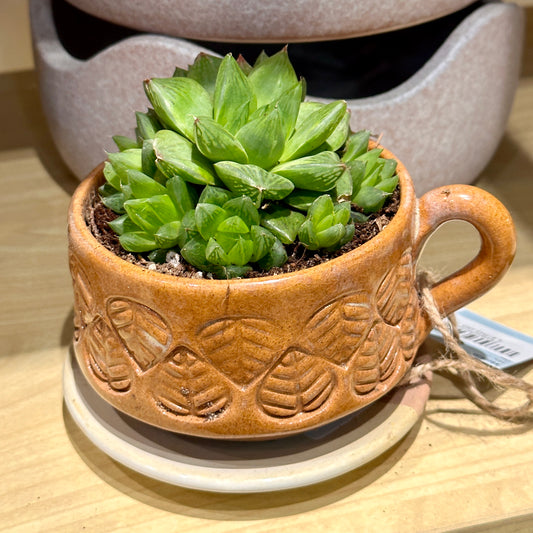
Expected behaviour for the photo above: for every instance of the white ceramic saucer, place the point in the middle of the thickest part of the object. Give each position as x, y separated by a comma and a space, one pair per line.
243, 467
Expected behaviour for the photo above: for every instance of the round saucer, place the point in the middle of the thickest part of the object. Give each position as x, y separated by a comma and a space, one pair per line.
243, 467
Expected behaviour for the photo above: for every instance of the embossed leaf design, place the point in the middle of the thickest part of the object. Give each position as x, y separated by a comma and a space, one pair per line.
395, 289
83, 299
409, 327
186, 386
144, 332
106, 355
366, 371
389, 351
337, 329
240, 347
299, 383
376, 360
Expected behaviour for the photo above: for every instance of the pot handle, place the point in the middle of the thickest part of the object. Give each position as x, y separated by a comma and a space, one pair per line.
498, 241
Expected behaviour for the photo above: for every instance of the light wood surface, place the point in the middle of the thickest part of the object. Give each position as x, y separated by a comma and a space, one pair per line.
457, 469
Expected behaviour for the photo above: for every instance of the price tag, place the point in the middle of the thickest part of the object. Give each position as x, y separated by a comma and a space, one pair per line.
493, 343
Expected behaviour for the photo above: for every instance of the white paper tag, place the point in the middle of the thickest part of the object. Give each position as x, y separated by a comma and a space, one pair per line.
491, 342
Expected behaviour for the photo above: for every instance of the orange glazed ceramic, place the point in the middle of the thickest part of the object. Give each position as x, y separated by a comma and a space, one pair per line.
267, 357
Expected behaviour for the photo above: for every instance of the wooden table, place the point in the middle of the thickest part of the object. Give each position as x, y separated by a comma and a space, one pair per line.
457, 469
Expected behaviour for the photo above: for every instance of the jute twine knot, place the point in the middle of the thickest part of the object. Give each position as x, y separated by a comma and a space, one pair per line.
466, 368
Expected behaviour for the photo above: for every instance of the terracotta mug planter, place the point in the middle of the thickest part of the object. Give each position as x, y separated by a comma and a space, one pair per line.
268, 357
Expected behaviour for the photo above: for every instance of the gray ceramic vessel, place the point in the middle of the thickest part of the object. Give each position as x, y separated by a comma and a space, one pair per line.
454, 108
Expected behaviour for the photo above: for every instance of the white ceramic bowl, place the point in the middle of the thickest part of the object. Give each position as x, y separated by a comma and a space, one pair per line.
268, 20
454, 108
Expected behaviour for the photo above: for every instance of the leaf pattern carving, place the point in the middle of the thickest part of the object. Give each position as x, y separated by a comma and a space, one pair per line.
186, 386
240, 347
144, 332
337, 329
106, 355
83, 299
395, 290
408, 337
299, 383
376, 360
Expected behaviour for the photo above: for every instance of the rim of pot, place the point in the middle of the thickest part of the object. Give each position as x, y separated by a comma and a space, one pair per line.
82, 194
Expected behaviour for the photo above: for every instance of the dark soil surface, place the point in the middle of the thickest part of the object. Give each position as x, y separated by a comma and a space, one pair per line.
97, 217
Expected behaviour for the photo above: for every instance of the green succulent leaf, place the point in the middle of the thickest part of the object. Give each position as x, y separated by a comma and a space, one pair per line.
253, 181
356, 145
204, 70
188, 229
321, 208
167, 235
137, 242
262, 240
214, 253
318, 172
182, 194
340, 134
176, 156
124, 161
308, 236
180, 73
284, 223
388, 185
370, 199
271, 77
349, 232
245, 66
330, 237
276, 257
338, 137
148, 158
358, 218
371, 158
388, 169
357, 172
106, 190
208, 217
194, 253
159, 255
230, 271
344, 187
289, 106
241, 252
216, 143
233, 224
115, 202
263, 139
142, 186
123, 224
260, 58
147, 124
233, 99
177, 101
314, 130
301, 199
342, 213
151, 213
215, 195
112, 178
125, 143
244, 208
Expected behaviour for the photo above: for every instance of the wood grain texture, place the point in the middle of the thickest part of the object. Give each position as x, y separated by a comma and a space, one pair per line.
456, 470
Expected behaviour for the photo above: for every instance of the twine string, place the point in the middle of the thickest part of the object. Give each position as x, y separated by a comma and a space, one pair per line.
465, 367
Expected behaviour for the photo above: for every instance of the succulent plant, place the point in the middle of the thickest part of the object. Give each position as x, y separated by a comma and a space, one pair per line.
231, 164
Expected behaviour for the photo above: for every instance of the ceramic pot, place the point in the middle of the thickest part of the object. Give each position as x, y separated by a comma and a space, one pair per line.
450, 100
267, 357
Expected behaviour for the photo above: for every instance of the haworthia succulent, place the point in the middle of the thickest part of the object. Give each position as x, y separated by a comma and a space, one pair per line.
230, 165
